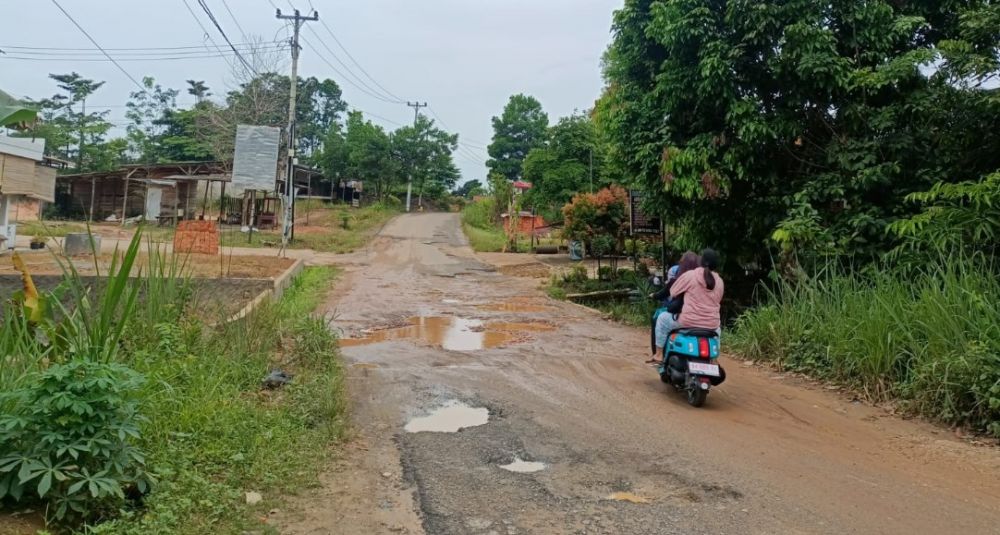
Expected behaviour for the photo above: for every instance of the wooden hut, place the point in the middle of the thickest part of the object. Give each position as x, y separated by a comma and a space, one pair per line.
158, 192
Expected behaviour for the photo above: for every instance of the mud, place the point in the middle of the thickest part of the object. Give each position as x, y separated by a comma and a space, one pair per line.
768, 453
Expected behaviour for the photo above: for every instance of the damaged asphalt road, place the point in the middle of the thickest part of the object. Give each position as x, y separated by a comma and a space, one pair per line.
767, 454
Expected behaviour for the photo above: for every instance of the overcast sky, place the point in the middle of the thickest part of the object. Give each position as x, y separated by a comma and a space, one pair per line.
463, 57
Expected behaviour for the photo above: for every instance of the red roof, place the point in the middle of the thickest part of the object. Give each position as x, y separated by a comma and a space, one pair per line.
520, 184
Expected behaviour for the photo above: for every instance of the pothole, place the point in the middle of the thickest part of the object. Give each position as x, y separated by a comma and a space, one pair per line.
452, 333
523, 467
450, 418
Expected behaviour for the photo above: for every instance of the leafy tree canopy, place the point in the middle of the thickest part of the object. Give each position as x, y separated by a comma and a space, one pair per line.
520, 128
470, 188
563, 167
800, 124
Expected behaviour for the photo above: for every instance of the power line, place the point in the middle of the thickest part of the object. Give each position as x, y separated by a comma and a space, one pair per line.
222, 32
129, 49
366, 90
166, 58
440, 120
232, 16
205, 32
355, 62
385, 96
371, 91
269, 46
344, 78
75, 23
390, 121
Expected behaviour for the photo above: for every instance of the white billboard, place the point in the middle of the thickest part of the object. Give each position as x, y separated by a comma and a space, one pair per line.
255, 162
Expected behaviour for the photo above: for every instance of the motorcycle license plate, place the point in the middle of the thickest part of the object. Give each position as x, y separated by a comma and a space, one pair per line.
700, 368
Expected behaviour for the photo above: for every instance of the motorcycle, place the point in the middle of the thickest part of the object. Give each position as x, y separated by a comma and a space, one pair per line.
690, 363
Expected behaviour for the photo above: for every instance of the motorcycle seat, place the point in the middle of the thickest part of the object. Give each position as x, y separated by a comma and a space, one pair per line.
700, 333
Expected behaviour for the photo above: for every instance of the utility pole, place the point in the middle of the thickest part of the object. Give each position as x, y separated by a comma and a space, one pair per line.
409, 179
297, 21
591, 169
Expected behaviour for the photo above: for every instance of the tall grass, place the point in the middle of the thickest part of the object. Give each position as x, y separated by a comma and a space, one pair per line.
208, 430
213, 433
929, 337
482, 231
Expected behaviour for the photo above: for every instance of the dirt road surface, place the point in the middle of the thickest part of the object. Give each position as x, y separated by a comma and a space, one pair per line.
621, 454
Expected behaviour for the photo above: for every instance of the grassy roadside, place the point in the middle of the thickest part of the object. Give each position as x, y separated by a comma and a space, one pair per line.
331, 229
483, 233
184, 425
59, 229
215, 434
485, 236
622, 310
929, 337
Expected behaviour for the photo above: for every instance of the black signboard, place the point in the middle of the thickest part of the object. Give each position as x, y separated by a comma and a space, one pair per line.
642, 223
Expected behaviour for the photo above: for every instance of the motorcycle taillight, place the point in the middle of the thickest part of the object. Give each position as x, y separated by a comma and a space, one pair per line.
703, 349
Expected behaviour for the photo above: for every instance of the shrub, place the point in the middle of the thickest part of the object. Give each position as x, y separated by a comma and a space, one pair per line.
69, 440
479, 214
929, 336
577, 274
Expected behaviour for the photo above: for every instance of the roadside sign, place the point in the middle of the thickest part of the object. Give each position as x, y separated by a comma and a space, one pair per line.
641, 222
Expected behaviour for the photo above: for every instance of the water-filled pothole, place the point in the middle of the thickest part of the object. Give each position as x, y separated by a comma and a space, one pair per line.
455, 334
451, 417
523, 467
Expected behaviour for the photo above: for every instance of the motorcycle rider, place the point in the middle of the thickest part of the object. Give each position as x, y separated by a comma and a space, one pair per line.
702, 289
689, 260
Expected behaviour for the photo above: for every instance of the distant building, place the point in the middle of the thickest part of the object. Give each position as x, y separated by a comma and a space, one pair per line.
27, 179
521, 186
525, 223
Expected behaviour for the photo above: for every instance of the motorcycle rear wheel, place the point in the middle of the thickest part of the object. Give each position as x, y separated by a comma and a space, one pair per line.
696, 397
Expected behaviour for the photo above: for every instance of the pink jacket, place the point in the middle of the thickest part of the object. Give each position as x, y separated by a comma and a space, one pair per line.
701, 305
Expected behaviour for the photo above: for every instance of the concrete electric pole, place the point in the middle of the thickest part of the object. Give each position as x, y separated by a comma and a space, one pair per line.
409, 179
297, 21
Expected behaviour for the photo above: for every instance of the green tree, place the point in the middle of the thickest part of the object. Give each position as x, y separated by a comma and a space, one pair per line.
369, 155
562, 168
469, 189
198, 89
426, 151
263, 100
180, 140
148, 111
800, 124
70, 132
320, 105
599, 220
333, 158
519, 129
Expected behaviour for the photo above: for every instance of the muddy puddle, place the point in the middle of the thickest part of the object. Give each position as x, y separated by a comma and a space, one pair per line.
523, 467
451, 333
450, 418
